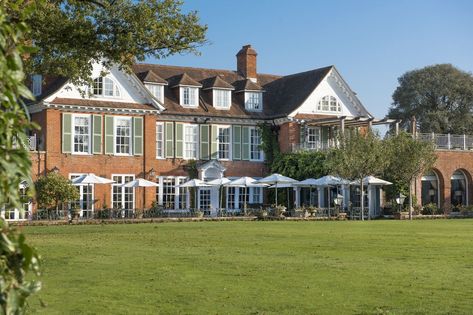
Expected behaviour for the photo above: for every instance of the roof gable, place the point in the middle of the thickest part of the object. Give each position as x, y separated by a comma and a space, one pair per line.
183, 80
216, 82
151, 77
332, 84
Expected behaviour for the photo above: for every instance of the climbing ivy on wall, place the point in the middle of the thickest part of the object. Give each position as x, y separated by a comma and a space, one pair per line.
269, 143
301, 165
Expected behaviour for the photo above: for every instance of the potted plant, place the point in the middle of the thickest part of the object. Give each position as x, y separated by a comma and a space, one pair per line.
199, 213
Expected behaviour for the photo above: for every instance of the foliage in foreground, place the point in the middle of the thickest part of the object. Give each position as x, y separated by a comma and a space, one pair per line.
16, 257
71, 35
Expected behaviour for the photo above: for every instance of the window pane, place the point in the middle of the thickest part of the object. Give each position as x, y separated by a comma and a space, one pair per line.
159, 140
123, 136
190, 141
224, 142
81, 134
255, 144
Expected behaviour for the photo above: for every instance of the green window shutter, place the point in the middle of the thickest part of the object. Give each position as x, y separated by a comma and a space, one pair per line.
325, 134
138, 135
245, 143
109, 143
236, 143
214, 143
66, 133
204, 142
169, 131
179, 140
97, 134
303, 134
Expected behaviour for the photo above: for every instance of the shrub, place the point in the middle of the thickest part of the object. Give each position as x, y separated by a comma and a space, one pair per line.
431, 209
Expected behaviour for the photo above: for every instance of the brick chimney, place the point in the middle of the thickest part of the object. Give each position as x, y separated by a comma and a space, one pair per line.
246, 62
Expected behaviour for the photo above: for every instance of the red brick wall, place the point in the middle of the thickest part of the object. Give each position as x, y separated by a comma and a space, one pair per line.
447, 163
289, 133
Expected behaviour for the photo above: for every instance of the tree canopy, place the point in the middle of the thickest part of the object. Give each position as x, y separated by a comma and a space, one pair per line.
439, 96
53, 189
358, 155
69, 35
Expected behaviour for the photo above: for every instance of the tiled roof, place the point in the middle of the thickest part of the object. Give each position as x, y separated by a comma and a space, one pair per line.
216, 82
150, 76
247, 85
183, 79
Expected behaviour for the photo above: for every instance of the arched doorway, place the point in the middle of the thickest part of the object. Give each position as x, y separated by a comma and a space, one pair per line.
459, 188
430, 189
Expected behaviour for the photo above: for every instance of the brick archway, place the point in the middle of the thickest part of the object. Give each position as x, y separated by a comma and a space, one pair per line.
467, 176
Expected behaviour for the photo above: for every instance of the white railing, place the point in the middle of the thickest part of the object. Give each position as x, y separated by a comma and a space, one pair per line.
448, 141
314, 146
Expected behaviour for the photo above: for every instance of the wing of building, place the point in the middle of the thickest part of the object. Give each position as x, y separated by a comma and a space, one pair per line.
164, 122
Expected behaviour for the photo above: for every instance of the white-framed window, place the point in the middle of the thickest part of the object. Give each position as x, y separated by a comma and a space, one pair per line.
36, 83
256, 152
222, 98
157, 90
189, 96
81, 130
169, 195
191, 136
329, 103
254, 101
224, 137
86, 197
256, 195
160, 140
204, 199
313, 137
123, 198
123, 134
106, 87
231, 198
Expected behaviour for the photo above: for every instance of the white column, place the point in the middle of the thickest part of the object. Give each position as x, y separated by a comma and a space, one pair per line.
371, 200
346, 195
320, 195
297, 199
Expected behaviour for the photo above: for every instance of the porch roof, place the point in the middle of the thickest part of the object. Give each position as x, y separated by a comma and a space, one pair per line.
348, 121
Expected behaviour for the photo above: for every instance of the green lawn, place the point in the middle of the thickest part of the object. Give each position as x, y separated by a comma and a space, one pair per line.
388, 267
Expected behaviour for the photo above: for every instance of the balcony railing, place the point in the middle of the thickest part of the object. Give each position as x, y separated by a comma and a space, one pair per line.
314, 146
448, 141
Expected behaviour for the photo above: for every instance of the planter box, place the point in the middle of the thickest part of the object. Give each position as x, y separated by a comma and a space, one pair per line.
401, 216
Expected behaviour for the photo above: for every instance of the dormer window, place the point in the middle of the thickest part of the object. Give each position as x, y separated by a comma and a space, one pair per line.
189, 96
254, 101
105, 87
329, 104
222, 98
157, 90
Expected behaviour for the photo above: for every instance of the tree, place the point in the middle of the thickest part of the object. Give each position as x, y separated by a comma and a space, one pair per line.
53, 190
358, 155
439, 96
17, 258
70, 35
408, 158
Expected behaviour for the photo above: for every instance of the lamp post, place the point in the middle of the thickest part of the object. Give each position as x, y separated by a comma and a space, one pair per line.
400, 200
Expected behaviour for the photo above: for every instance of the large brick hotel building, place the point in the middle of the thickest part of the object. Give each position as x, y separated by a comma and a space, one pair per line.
154, 121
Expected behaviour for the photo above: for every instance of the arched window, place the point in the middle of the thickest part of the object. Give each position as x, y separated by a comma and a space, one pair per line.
430, 189
329, 103
459, 191
105, 87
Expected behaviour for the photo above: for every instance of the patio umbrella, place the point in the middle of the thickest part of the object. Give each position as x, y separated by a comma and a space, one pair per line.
371, 180
245, 182
219, 182
330, 181
194, 183
140, 182
276, 179
91, 179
